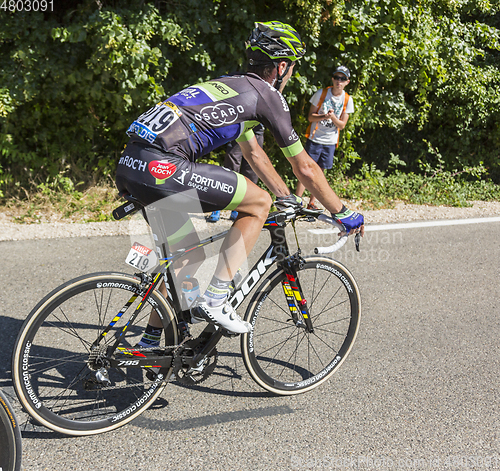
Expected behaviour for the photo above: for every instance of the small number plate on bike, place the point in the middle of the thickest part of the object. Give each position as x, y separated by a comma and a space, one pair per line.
141, 257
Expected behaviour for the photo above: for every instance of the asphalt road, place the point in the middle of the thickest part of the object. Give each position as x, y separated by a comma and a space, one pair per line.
420, 389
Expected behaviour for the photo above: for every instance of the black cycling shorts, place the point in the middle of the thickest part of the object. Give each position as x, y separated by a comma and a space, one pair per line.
171, 187
151, 175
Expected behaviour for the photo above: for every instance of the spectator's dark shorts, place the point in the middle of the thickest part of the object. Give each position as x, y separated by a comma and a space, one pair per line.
321, 154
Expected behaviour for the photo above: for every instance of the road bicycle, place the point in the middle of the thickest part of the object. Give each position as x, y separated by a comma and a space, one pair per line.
10, 437
76, 368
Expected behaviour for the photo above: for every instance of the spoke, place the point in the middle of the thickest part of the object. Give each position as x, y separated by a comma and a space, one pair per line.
328, 303
335, 321
107, 307
322, 287
100, 322
313, 288
282, 343
56, 398
61, 405
271, 332
96, 406
60, 361
317, 355
276, 321
287, 313
289, 358
333, 307
327, 344
98, 305
61, 401
333, 332
297, 344
69, 330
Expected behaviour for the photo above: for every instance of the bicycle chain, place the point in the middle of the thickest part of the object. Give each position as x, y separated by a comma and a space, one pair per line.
94, 354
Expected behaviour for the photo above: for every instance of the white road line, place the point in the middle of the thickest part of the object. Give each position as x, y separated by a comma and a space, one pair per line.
417, 224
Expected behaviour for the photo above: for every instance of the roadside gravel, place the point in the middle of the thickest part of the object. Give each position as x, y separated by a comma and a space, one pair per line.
400, 213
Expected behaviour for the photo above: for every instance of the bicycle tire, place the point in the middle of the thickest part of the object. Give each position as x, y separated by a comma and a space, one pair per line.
10, 437
283, 357
50, 360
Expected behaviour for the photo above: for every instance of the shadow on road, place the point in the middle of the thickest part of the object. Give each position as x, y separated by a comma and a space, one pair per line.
9, 329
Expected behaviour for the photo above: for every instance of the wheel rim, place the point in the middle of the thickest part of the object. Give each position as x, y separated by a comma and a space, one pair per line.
281, 355
55, 375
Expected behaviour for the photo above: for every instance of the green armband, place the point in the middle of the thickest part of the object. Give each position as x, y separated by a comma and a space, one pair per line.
344, 212
293, 150
245, 137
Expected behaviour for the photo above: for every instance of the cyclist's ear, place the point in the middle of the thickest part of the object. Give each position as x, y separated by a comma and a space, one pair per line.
282, 67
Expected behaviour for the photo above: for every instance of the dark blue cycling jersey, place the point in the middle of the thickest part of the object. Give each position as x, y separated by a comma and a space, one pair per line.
205, 116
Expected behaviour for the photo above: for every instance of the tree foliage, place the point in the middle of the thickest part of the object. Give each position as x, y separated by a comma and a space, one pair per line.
425, 72
425, 76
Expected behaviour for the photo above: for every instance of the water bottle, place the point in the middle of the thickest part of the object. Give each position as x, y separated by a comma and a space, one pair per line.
190, 290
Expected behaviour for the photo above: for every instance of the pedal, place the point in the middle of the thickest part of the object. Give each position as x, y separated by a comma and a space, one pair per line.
228, 334
151, 374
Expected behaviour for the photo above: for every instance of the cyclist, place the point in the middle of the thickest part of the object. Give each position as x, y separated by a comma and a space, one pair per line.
159, 160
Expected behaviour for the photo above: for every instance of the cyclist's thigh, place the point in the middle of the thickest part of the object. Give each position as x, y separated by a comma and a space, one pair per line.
255, 200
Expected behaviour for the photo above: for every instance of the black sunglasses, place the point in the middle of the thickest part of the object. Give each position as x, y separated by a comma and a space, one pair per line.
340, 78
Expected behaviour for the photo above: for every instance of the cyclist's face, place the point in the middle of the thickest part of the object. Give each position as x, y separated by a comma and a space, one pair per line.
288, 75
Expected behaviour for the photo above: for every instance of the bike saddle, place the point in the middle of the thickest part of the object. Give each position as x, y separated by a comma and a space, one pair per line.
126, 209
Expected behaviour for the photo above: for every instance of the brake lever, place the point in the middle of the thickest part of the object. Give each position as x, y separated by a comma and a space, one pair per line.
357, 239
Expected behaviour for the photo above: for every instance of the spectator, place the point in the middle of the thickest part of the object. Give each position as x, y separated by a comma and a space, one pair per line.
328, 115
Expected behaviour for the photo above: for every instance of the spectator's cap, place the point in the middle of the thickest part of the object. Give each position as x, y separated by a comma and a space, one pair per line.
343, 70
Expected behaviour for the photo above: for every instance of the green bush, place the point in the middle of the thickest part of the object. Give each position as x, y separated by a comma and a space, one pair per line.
423, 73
433, 186
75, 88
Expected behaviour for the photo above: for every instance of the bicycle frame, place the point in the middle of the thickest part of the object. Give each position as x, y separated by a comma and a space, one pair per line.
277, 251
100, 375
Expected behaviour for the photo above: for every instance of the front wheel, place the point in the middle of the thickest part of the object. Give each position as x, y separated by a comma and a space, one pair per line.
54, 358
280, 353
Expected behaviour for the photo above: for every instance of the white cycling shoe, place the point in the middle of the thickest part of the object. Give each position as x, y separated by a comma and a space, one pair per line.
224, 316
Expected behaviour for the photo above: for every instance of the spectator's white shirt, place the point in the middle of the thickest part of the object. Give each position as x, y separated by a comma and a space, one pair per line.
326, 132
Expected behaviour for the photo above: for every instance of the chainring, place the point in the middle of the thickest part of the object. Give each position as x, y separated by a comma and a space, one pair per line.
192, 376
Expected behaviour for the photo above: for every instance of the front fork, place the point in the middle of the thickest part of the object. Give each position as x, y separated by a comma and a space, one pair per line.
297, 304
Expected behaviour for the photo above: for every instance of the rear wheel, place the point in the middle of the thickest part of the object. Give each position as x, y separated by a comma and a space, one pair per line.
280, 354
53, 364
